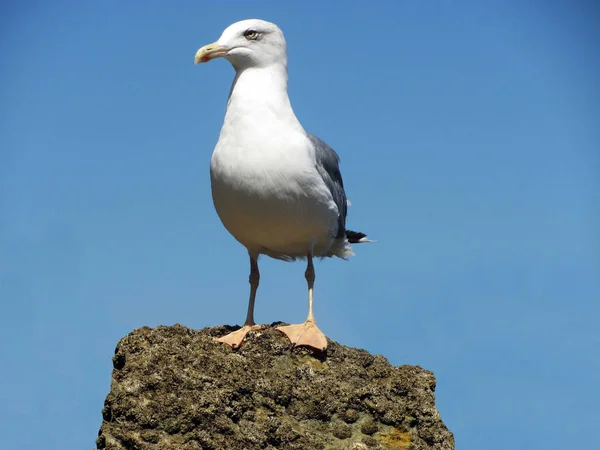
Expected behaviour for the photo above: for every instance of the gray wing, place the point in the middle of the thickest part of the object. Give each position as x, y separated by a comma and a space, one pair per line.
329, 169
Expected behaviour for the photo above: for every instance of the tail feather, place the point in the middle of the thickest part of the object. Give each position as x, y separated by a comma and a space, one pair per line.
341, 246
356, 237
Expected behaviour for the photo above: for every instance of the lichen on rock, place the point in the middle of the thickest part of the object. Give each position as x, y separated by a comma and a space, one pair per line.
175, 388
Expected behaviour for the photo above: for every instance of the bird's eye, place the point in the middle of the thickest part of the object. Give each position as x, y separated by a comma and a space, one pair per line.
251, 34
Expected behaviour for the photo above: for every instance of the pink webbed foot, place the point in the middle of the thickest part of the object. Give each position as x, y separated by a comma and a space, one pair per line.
236, 338
307, 334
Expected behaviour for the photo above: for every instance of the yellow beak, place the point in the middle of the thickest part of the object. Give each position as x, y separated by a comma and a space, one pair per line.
209, 52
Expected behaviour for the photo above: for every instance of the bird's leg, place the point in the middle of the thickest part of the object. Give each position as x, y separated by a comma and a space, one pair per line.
307, 333
235, 338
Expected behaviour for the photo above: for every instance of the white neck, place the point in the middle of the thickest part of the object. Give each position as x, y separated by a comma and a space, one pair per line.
260, 94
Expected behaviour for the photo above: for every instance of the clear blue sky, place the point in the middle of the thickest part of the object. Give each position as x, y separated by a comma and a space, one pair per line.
470, 143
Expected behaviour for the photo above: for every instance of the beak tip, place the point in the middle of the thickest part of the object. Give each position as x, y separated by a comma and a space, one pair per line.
208, 52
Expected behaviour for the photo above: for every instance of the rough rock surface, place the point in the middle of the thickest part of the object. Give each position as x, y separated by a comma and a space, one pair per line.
174, 388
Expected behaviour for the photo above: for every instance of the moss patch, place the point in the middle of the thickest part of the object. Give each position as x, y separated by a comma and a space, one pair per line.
396, 439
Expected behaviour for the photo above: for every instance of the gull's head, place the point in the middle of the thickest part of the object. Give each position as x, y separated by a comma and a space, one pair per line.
245, 44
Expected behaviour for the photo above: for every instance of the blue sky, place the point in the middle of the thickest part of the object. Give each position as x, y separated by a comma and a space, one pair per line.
470, 149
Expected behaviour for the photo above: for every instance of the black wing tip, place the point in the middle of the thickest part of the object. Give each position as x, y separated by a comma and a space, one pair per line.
354, 237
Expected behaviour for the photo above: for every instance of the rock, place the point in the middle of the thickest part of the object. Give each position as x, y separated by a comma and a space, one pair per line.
369, 426
175, 388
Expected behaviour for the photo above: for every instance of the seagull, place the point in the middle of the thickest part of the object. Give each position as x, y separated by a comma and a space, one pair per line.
276, 188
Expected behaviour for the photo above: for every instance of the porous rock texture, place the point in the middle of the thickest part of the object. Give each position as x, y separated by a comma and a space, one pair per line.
175, 388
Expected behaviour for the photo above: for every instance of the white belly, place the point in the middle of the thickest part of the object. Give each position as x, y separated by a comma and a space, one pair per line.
272, 207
